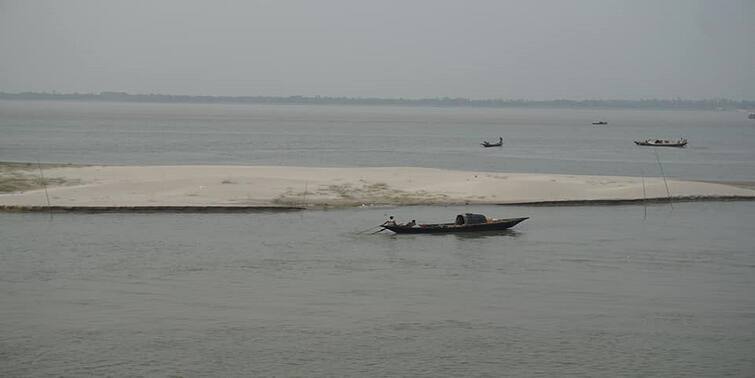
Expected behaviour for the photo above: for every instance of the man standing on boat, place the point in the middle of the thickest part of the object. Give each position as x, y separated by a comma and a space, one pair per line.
389, 222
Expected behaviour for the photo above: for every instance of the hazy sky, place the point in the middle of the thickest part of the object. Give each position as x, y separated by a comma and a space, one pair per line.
536, 49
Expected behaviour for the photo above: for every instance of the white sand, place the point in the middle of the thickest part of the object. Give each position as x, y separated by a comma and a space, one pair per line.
285, 186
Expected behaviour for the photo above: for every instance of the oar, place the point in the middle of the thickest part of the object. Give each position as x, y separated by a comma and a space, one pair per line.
369, 229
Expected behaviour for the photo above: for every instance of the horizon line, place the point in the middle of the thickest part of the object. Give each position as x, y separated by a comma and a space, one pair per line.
400, 98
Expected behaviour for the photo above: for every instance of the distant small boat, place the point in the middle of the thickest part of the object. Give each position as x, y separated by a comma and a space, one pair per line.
464, 223
488, 144
600, 123
751, 116
661, 142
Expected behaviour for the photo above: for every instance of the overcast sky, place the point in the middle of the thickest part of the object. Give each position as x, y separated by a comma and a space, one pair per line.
536, 49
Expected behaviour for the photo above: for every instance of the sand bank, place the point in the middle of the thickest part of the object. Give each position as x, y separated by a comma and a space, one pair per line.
274, 186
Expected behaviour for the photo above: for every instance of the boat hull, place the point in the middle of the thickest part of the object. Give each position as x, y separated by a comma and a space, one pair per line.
683, 144
451, 228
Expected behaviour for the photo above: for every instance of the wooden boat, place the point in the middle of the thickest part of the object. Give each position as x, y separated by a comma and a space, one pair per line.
488, 144
661, 142
464, 223
600, 123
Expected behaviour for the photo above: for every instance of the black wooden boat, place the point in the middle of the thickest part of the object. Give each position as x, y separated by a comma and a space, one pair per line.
464, 223
600, 123
488, 144
661, 142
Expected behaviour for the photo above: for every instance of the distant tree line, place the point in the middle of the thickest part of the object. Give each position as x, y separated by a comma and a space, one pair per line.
706, 104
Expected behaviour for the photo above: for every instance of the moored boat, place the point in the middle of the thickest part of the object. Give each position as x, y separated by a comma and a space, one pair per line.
661, 142
497, 144
464, 223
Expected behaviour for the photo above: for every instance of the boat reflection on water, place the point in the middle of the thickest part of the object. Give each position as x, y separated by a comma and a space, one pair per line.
464, 235
487, 234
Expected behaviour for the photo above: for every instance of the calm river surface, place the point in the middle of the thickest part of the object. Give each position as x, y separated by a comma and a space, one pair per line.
574, 291
721, 144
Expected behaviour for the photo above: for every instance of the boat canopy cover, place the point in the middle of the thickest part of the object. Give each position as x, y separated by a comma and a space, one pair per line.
470, 218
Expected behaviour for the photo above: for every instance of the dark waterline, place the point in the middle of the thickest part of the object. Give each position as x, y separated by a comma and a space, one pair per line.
577, 291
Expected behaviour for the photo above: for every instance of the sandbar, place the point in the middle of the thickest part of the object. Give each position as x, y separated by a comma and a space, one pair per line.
225, 186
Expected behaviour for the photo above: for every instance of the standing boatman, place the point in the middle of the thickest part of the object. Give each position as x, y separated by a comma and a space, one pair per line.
389, 222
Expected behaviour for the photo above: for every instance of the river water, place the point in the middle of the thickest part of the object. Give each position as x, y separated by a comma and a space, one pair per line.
574, 291
721, 144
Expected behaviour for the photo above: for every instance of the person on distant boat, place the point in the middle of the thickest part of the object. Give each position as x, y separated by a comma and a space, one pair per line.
488, 144
411, 224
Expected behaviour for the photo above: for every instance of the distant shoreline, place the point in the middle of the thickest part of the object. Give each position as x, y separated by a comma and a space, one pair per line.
667, 104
